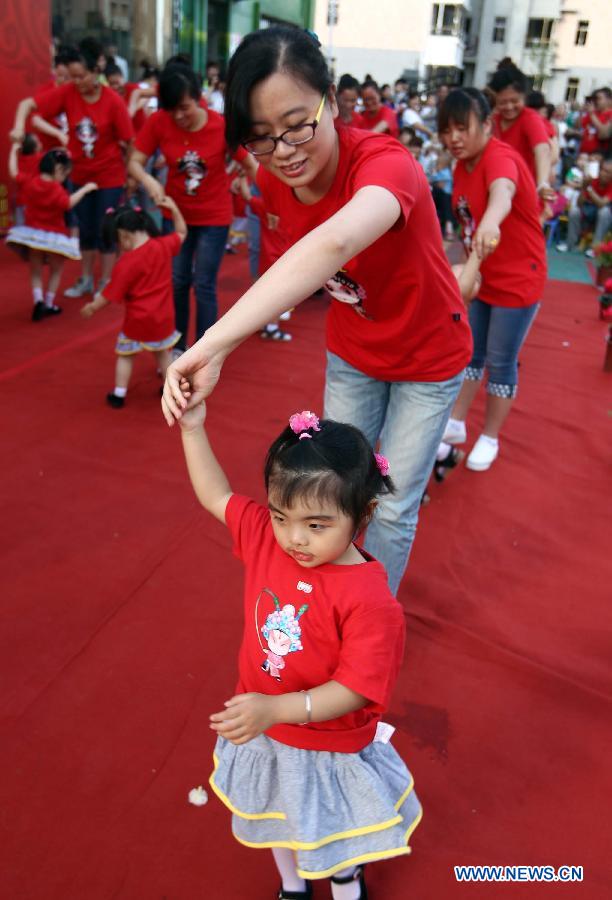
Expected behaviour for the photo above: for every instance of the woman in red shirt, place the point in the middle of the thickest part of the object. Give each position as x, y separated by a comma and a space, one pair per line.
498, 211
521, 127
376, 116
360, 213
100, 133
192, 140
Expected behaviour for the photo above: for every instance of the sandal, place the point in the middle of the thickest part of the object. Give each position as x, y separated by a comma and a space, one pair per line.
295, 895
274, 334
357, 875
452, 459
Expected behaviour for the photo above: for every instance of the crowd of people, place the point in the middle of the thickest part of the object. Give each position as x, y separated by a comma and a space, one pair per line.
339, 184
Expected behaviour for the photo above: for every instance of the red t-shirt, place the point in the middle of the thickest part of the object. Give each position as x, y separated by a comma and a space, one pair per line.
591, 142
95, 130
357, 121
139, 117
398, 314
45, 201
384, 114
515, 274
550, 128
601, 190
347, 627
27, 167
142, 280
273, 241
524, 133
197, 180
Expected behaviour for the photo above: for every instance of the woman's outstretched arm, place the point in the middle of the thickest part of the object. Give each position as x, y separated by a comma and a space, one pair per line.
303, 269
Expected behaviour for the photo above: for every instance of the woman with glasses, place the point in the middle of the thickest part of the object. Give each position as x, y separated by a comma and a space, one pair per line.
192, 141
360, 213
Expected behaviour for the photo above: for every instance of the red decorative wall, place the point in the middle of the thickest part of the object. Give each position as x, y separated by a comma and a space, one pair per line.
25, 36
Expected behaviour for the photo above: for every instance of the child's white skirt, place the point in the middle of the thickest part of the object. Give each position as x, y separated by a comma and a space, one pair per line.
23, 238
334, 809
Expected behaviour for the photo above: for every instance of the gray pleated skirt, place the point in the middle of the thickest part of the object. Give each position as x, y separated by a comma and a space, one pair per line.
334, 809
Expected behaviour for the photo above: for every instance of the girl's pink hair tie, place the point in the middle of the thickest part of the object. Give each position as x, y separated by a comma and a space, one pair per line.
300, 423
383, 464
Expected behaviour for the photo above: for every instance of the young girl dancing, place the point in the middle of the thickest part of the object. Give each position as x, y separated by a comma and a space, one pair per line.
302, 759
142, 280
44, 234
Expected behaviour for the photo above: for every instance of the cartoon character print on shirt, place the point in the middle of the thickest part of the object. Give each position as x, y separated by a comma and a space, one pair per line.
466, 220
282, 634
87, 133
344, 289
194, 169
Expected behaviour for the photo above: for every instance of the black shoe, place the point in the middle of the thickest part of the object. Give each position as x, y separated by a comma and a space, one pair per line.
356, 876
115, 401
53, 310
295, 895
38, 312
452, 459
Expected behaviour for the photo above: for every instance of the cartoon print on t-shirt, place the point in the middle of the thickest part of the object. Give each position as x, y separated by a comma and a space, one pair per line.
195, 170
344, 289
282, 633
466, 220
87, 133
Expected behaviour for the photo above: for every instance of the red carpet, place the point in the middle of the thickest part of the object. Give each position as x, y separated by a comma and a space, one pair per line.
121, 621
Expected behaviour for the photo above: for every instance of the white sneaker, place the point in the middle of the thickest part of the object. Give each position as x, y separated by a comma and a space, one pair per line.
284, 317
455, 432
80, 288
562, 247
483, 454
590, 253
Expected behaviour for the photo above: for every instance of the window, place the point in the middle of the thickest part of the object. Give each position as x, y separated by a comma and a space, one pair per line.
332, 12
539, 32
538, 82
571, 91
499, 30
581, 33
447, 18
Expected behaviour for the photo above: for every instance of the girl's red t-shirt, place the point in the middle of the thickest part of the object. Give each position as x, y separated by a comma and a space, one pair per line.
27, 167
383, 114
525, 133
45, 203
312, 626
197, 180
515, 274
95, 132
397, 314
142, 281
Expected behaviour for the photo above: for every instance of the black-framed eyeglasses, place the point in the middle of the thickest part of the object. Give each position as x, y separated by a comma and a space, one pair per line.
299, 134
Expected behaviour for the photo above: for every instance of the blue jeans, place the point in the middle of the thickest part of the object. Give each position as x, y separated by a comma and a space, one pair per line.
90, 211
499, 333
409, 418
198, 261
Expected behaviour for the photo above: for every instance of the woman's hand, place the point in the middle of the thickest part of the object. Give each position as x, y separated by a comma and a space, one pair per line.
88, 310
245, 716
486, 239
190, 380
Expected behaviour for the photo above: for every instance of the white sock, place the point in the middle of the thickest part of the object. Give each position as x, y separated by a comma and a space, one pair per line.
49, 298
120, 392
37, 293
285, 863
349, 891
442, 451
493, 441
456, 423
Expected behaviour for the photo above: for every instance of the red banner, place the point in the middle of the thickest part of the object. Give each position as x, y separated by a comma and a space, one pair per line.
25, 64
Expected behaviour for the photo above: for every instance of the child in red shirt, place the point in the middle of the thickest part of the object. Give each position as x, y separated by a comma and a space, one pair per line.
142, 280
274, 240
302, 758
44, 235
24, 159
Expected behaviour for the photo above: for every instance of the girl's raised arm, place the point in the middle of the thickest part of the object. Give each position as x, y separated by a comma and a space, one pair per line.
208, 479
303, 269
